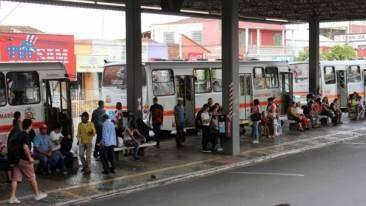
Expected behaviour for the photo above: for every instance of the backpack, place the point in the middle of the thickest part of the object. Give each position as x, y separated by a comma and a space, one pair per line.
13, 149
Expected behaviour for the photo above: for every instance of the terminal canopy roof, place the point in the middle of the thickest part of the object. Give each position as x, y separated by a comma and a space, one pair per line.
290, 10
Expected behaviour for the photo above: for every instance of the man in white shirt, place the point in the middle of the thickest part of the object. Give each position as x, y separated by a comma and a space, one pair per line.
206, 133
57, 161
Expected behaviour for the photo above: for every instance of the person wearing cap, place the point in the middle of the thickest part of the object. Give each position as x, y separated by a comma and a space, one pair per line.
179, 122
43, 149
86, 132
107, 145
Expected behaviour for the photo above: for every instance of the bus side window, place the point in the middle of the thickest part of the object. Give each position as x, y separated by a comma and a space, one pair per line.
216, 76
354, 74
163, 82
202, 81
2, 90
272, 77
329, 75
23, 88
259, 78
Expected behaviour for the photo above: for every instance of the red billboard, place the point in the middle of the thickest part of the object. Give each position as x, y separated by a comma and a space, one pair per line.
19, 47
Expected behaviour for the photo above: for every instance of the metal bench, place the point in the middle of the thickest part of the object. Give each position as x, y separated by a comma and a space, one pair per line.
120, 152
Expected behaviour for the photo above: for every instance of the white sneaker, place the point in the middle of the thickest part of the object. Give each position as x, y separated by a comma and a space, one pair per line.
40, 196
14, 201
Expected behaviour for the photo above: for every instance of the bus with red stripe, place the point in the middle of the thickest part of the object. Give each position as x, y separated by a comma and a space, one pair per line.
196, 82
39, 91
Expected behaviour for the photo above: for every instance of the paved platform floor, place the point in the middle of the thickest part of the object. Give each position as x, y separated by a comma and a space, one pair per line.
167, 164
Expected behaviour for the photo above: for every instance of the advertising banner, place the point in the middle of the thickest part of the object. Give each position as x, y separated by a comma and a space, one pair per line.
19, 47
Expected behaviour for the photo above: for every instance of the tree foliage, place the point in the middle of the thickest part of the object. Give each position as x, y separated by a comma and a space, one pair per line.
338, 52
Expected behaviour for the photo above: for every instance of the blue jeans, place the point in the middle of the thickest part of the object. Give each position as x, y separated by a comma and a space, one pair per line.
56, 161
255, 131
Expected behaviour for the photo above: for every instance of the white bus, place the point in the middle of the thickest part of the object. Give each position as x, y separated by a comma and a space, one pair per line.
338, 79
195, 82
40, 91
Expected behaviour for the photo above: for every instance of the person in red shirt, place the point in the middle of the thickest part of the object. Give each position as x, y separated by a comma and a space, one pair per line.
157, 118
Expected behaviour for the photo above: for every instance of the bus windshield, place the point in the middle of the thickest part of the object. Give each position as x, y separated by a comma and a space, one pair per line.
115, 76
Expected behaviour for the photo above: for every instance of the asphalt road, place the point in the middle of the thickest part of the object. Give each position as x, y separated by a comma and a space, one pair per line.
332, 176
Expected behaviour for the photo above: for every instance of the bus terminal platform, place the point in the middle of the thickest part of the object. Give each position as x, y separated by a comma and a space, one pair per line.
168, 165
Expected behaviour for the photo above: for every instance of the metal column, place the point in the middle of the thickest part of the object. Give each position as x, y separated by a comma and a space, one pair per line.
230, 64
133, 57
314, 56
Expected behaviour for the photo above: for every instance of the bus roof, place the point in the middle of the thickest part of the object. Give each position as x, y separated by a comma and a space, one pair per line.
198, 62
32, 66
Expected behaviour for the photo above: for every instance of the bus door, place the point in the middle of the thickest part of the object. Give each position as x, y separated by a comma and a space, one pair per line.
57, 102
185, 90
246, 95
342, 89
287, 90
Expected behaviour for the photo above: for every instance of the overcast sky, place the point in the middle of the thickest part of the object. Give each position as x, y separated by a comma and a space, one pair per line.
83, 23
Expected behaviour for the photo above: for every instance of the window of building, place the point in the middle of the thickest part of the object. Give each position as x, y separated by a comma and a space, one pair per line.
163, 82
259, 78
216, 77
23, 88
272, 77
2, 90
202, 81
277, 39
329, 75
197, 36
169, 37
354, 74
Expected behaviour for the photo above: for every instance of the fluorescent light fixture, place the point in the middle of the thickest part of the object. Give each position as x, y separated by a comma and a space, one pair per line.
79, 1
151, 7
278, 20
110, 4
194, 11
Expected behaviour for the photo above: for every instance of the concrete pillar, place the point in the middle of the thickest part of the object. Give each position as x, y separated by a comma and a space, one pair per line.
133, 57
246, 41
314, 56
230, 78
259, 41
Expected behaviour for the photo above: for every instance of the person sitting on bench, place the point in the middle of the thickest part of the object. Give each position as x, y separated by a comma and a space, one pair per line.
326, 111
133, 138
294, 115
334, 106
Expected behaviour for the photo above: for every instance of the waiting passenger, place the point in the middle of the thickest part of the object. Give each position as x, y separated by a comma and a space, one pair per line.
133, 138
206, 133
334, 106
325, 109
43, 150
57, 161
215, 112
271, 115
294, 115
86, 132
255, 117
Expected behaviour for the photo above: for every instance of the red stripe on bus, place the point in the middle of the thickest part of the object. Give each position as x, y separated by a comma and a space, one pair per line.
7, 128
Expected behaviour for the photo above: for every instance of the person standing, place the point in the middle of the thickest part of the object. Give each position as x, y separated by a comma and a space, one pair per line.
22, 163
255, 117
107, 145
206, 133
118, 113
179, 123
157, 117
86, 132
97, 119
272, 115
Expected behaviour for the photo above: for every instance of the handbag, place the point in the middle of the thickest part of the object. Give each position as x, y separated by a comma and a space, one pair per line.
255, 117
